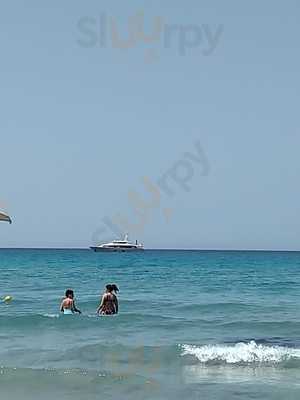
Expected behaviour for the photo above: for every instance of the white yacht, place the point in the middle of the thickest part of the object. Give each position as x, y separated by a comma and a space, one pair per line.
119, 245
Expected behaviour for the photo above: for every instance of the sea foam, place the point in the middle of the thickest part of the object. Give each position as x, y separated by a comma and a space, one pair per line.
241, 353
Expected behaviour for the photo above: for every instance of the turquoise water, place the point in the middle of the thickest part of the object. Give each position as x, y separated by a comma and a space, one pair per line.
192, 324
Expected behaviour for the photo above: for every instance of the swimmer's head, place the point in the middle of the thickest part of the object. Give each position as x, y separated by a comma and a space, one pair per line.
69, 293
112, 288
115, 288
109, 288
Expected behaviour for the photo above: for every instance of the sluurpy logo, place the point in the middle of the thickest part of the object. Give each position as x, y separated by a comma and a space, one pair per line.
104, 31
177, 177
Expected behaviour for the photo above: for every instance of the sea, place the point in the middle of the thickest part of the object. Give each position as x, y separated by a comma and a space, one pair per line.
205, 325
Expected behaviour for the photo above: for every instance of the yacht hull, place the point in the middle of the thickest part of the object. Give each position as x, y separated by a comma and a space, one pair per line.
115, 249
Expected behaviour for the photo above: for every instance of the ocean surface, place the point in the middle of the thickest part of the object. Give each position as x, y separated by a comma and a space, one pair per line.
192, 325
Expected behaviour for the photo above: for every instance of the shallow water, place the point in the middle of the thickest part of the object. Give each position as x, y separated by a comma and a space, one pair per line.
213, 325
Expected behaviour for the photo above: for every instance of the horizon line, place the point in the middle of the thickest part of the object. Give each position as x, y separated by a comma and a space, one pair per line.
155, 249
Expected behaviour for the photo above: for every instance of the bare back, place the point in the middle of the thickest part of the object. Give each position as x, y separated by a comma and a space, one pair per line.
109, 304
67, 304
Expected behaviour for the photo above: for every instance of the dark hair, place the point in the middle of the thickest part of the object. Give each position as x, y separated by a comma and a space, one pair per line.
115, 287
112, 287
69, 292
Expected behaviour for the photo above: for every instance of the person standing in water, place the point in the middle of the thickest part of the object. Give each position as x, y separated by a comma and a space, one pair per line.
68, 306
109, 303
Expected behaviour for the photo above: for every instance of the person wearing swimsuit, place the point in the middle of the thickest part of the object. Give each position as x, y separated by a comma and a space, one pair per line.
68, 306
109, 303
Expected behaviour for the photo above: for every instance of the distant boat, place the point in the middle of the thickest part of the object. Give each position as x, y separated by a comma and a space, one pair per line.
5, 217
119, 245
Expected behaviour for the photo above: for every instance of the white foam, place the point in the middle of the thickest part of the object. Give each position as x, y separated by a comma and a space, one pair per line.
241, 353
51, 315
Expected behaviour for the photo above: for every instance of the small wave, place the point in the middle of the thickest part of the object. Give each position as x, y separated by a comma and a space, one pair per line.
241, 353
220, 306
56, 380
51, 315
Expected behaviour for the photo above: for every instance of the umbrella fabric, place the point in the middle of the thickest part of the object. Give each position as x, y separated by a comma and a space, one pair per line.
4, 217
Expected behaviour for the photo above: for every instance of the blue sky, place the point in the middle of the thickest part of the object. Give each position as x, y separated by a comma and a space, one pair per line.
82, 125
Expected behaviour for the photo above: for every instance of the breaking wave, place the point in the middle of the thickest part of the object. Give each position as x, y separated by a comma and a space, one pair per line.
241, 353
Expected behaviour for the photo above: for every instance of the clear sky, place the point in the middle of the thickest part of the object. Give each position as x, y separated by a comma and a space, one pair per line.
84, 120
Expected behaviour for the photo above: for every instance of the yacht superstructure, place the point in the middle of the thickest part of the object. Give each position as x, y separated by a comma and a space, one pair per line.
119, 245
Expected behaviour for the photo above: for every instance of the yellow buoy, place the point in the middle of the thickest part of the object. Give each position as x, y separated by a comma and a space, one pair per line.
7, 299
